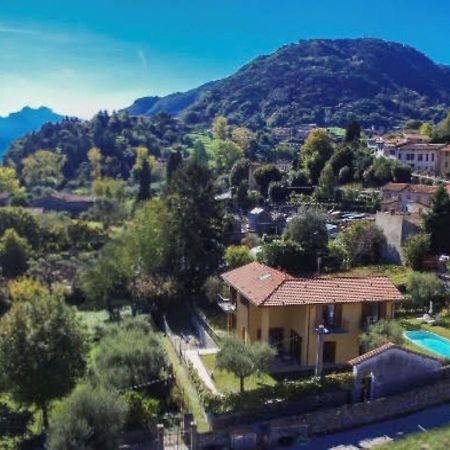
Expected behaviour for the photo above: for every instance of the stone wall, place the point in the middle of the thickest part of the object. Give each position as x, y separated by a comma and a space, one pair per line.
354, 415
338, 418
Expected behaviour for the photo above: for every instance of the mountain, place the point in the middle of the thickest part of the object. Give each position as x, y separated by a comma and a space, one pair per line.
328, 82
22, 122
172, 104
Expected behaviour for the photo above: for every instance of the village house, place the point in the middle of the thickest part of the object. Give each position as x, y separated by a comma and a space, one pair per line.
407, 197
62, 202
422, 157
274, 307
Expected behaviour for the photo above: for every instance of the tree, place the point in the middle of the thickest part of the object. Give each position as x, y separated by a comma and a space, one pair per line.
278, 192
442, 131
9, 181
264, 175
173, 163
352, 131
239, 172
315, 152
423, 288
381, 333
109, 188
22, 222
128, 356
42, 350
237, 256
43, 168
415, 248
145, 178
220, 128
225, 153
363, 243
326, 188
95, 162
288, 256
426, 129
243, 359
195, 227
243, 137
199, 155
213, 287
401, 173
26, 290
437, 221
89, 418
14, 253
308, 229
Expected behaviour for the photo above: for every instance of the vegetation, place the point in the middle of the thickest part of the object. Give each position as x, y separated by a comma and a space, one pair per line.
380, 333
243, 359
89, 418
437, 221
415, 248
42, 350
285, 85
423, 288
237, 255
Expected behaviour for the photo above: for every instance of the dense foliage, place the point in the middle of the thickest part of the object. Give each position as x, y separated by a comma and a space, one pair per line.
116, 136
330, 81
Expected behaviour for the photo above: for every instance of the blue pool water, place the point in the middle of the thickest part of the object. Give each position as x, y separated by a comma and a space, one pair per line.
430, 341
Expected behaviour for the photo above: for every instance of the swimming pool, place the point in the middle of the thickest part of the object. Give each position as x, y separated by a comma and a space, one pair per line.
430, 341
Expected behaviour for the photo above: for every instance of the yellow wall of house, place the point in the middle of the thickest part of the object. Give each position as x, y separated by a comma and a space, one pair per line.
253, 322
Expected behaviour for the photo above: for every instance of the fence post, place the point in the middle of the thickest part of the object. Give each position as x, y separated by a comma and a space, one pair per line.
160, 436
194, 436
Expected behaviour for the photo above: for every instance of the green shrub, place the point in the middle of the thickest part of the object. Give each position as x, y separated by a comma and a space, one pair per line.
141, 409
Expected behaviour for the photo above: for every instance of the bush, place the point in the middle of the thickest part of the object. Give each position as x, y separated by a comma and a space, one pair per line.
425, 287
89, 418
380, 333
237, 256
363, 243
141, 410
128, 356
213, 287
415, 249
284, 391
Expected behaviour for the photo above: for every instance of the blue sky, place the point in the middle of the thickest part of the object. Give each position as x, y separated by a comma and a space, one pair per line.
80, 56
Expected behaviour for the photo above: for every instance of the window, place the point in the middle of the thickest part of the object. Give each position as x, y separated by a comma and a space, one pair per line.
419, 157
410, 156
258, 334
399, 156
392, 152
426, 157
432, 157
329, 352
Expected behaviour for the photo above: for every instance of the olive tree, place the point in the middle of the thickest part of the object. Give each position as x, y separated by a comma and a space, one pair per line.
243, 359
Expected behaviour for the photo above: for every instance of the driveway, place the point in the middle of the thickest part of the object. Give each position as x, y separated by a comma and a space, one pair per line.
391, 429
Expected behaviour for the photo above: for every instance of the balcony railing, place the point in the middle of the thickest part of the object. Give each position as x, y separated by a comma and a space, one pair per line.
337, 327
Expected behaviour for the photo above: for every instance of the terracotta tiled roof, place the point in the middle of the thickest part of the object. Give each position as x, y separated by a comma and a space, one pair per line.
255, 281
414, 188
411, 146
72, 198
265, 286
385, 347
396, 187
308, 291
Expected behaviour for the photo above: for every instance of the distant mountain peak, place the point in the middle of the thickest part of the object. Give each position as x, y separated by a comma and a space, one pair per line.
19, 123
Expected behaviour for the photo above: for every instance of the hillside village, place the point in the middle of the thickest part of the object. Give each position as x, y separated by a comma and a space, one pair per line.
272, 281
234, 273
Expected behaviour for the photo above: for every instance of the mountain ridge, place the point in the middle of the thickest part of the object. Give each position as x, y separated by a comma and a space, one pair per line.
328, 82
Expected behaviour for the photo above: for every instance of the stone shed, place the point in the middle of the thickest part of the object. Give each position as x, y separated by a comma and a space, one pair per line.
391, 369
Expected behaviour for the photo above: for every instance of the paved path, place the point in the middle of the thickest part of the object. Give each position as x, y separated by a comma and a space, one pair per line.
389, 430
194, 357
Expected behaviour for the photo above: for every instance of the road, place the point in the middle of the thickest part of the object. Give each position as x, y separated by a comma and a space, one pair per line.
393, 429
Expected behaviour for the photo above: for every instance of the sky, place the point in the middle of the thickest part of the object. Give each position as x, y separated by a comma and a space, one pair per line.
78, 57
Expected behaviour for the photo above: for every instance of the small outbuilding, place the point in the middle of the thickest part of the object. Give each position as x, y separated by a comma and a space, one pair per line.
391, 369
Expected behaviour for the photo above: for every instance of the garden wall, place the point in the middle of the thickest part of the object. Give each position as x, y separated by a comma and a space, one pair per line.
333, 419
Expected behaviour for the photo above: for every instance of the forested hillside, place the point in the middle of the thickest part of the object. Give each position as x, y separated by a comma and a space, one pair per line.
116, 136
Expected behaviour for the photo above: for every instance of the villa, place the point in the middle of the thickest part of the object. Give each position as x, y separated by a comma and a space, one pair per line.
271, 306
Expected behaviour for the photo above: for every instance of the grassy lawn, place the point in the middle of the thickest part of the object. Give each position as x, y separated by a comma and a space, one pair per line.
397, 274
188, 390
227, 382
438, 439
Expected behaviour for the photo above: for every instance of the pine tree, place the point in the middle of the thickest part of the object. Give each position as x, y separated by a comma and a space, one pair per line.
145, 176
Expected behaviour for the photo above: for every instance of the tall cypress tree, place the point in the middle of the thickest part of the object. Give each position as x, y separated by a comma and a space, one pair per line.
145, 178
437, 221
173, 163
